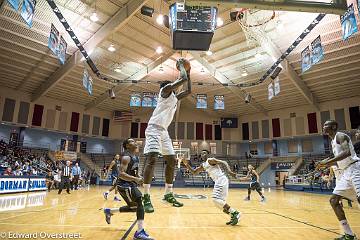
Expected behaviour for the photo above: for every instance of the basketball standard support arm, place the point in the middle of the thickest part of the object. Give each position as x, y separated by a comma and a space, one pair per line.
337, 7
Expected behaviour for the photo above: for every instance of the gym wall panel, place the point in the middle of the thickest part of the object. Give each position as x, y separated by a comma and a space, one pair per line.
134, 130
287, 127
85, 124
190, 130
299, 126
63, 121
276, 127
8, 112
312, 122
217, 132
74, 123
324, 115
171, 130
208, 132
37, 115
96, 126
181, 130
268, 148
265, 128
143, 127
105, 127
23, 114
245, 131
354, 113
292, 146
307, 146
340, 118
199, 131
255, 130
50, 118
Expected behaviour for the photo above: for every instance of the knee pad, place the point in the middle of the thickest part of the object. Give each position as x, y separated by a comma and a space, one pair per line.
219, 203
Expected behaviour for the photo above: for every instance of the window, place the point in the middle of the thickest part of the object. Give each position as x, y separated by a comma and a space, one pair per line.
213, 148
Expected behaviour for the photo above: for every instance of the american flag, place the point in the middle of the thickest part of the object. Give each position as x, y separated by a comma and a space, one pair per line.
122, 116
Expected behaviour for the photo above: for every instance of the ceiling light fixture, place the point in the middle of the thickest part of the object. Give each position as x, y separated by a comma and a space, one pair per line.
219, 22
161, 69
160, 19
244, 73
258, 56
202, 71
117, 69
209, 53
159, 50
94, 17
111, 48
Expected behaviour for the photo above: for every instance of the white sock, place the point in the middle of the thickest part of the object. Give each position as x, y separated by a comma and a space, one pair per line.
114, 210
346, 227
147, 188
168, 188
140, 225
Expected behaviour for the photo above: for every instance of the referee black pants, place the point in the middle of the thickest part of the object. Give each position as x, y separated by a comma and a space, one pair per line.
65, 183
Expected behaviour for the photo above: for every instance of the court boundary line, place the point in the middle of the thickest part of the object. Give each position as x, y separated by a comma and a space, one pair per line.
128, 231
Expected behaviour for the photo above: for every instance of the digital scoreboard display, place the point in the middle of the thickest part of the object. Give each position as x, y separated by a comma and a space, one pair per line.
192, 27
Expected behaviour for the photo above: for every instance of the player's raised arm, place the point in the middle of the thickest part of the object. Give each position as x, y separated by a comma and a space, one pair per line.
214, 161
123, 175
197, 170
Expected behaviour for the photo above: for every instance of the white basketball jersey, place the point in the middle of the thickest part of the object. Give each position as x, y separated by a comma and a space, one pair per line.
337, 149
214, 171
164, 111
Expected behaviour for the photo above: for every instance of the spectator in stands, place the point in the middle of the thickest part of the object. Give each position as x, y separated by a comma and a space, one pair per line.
357, 144
76, 172
8, 172
312, 166
49, 180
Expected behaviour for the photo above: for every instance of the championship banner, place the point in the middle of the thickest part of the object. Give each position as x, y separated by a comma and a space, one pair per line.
270, 91
62, 50
14, 4
87, 82
317, 53
201, 101
147, 100
28, 10
348, 22
135, 100
229, 123
305, 59
53, 42
276, 86
219, 103
65, 155
13, 185
155, 100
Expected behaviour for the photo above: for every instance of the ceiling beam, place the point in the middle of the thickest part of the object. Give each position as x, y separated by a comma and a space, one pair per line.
221, 78
143, 72
289, 71
338, 7
116, 22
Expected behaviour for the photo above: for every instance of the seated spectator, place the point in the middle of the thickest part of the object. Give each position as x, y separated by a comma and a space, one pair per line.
312, 166
8, 172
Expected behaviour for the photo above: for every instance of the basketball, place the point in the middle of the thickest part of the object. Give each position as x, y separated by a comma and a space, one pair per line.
185, 63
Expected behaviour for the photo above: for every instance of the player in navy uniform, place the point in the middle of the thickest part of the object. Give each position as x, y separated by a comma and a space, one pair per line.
253, 176
127, 185
114, 167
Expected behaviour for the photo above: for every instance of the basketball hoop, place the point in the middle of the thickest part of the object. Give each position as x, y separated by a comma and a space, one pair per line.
253, 21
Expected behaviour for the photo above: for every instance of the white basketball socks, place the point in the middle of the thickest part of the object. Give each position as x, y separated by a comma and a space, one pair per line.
168, 188
346, 227
140, 225
146, 188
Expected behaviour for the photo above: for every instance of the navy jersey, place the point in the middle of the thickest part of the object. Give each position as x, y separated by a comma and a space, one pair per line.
132, 170
115, 168
253, 176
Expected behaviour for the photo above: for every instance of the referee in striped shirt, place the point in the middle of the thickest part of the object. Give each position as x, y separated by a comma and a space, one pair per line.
65, 178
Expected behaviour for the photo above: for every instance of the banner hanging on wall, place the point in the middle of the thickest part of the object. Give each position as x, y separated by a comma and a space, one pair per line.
348, 22
305, 59
270, 91
201, 101
135, 100
276, 86
219, 103
28, 10
15, 4
53, 39
317, 53
62, 50
147, 100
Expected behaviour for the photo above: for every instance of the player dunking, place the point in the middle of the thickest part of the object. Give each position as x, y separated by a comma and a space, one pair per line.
253, 176
127, 186
157, 137
114, 166
221, 187
348, 185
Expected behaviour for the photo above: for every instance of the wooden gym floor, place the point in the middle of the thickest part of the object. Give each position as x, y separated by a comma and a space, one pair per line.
285, 215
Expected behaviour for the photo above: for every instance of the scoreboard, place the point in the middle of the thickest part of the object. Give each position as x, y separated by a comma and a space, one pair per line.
192, 27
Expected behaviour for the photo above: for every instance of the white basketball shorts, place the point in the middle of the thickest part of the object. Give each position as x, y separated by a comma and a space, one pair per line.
158, 140
348, 182
221, 188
